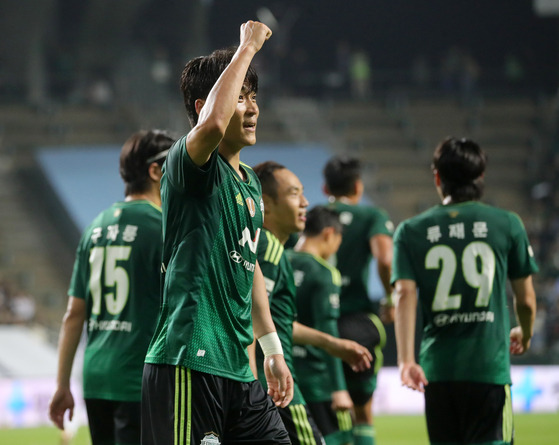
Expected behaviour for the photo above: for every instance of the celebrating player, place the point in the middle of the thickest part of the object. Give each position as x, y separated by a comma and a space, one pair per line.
198, 386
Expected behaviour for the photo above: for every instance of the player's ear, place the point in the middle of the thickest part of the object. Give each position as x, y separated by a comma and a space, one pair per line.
437, 177
268, 202
199, 104
359, 187
154, 171
325, 190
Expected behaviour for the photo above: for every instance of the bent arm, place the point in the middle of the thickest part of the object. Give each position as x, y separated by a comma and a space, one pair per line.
525, 307
216, 110
351, 352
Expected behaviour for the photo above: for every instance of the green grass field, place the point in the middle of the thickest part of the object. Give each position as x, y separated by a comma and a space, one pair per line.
531, 429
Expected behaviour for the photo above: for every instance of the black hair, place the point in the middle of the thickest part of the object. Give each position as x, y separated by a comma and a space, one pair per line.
319, 218
461, 164
340, 174
265, 172
200, 75
137, 154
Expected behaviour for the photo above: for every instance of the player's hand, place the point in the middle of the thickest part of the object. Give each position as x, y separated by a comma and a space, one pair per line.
412, 376
355, 355
61, 401
254, 34
518, 344
279, 379
341, 401
386, 311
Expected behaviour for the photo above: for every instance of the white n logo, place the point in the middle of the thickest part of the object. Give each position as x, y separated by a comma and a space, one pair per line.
252, 243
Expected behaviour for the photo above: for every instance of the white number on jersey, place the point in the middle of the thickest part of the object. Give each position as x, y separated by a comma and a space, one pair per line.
443, 257
115, 277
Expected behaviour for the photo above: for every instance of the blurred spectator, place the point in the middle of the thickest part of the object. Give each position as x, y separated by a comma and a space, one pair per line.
468, 75
360, 75
421, 72
161, 68
100, 93
514, 71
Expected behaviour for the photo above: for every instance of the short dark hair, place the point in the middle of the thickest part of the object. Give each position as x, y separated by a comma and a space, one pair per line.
136, 155
461, 164
341, 173
321, 217
200, 75
265, 172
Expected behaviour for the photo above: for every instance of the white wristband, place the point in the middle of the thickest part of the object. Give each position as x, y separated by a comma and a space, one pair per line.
270, 344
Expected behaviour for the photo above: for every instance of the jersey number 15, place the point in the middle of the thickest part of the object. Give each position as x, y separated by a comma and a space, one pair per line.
114, 277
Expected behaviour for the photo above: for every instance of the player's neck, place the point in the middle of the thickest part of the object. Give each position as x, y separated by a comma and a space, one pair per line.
308, 245
282, 237
154, 198
351, 199
233, 158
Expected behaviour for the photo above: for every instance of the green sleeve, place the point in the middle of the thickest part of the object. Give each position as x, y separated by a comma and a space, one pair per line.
380, 223
402, 264
521, 261
79, 284
326, 312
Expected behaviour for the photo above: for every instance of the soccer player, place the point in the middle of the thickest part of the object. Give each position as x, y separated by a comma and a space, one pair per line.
198, 386
320, 375
456, 257
115, 290
285, 213
367, 234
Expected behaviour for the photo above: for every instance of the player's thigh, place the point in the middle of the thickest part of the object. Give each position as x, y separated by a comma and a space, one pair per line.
335, 426
180, 405
301, 425
468, 412
253, 418
127, 423
100, 415
368, 331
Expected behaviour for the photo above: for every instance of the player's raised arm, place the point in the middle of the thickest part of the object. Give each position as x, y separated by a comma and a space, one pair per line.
216, 110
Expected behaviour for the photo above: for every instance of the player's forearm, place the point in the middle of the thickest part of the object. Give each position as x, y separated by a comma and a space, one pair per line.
404, 322
384, 275
262, 322
70, 334
304, 335
525, 305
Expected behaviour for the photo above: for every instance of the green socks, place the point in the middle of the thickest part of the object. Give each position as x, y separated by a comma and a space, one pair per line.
364, 435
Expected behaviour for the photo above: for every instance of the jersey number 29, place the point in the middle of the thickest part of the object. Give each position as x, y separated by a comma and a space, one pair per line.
443, 257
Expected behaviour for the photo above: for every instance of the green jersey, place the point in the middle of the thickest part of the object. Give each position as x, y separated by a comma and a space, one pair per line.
459, 256
280, 286
353, 259
116, 272
318, 306
212, 220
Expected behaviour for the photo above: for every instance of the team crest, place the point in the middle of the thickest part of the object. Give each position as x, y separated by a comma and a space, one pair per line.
453, 214
210, 439
251, 206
